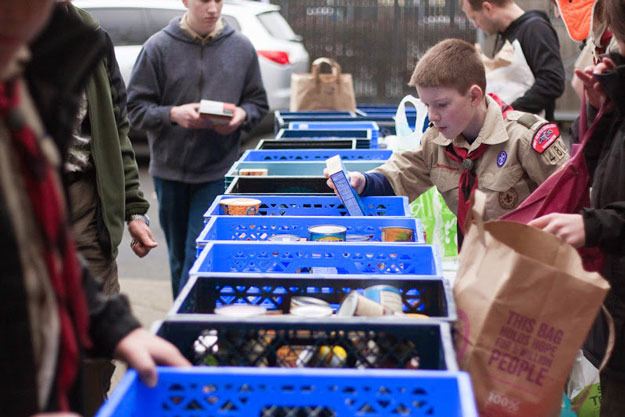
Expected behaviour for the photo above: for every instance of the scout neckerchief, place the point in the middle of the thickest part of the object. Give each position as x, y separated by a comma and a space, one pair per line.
58, 247
468, 180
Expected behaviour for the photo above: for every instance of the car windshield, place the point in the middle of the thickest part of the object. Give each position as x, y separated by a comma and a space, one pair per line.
277, 26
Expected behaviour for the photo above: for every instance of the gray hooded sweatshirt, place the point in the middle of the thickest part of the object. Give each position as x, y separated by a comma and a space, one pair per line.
173, 69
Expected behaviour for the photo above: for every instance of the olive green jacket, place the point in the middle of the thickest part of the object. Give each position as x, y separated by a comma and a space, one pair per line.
117, 175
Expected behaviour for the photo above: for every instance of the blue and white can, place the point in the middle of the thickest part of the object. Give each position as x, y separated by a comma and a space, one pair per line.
327, 233
388, 296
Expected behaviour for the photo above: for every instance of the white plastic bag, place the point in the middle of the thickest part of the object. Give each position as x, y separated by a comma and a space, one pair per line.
406, 138
507, 74
583, 387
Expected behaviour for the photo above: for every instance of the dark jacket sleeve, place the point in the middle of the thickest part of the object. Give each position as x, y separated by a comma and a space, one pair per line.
254, 100
110, 318
377, 184
135, 201
144, 93
592, 150
605, 227
542, 52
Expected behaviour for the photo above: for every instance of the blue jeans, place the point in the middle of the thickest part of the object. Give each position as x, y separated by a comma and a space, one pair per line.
181, 207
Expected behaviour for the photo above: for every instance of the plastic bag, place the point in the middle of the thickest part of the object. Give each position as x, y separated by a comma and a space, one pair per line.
439, 223
583, 387
507, 74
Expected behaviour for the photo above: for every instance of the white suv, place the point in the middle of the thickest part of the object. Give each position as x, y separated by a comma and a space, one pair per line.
280, 51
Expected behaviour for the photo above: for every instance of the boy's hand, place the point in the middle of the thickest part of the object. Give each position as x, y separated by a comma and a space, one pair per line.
356, 179
187, 116
237, 120
142, 351
594, 92
568, 227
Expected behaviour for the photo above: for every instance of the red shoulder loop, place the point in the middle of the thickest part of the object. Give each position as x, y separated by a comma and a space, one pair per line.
545, 137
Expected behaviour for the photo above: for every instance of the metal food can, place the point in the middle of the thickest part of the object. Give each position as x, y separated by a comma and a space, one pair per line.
284, 238
240, 206
397, 234
356, 304
388, 296
327, 233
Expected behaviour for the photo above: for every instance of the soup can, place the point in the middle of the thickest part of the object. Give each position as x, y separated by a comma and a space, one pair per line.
327, 233
241, 310
311, 310
388, 296
240, 206
356, 304
397, 234
303, 300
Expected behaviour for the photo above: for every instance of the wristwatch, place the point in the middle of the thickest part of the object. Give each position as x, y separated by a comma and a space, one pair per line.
143, 217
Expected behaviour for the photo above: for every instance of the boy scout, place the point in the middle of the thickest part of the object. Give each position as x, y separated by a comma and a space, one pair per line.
469, 143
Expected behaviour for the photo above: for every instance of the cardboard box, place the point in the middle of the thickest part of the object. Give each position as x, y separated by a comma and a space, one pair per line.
217, 112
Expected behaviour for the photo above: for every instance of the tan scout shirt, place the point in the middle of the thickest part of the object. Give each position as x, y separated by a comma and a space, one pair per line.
507, 172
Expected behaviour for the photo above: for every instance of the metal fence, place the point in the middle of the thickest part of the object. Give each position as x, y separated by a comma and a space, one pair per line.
377, 41
380, 41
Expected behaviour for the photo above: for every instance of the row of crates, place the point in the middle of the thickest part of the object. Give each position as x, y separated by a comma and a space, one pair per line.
283, 365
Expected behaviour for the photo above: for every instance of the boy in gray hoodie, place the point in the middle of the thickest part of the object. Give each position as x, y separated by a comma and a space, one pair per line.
195, 57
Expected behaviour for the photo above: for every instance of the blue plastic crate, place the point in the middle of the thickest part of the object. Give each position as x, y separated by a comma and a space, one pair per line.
386, 122
262, 228
420, 294
257, 155
282, 185
282, 118
364, 137
280, 205
390, 342
348, 125
296, 169
308, 257
283, 144
237, 392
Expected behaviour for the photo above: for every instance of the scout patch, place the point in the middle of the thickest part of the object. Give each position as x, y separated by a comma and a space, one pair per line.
501, 158
545, 137
508, 199
555, 153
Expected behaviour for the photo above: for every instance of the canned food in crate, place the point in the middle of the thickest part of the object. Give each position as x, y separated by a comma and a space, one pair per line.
322, 357
327, 233
386, 295
284, 238
253, 172
397, 234
240, 206
355, 304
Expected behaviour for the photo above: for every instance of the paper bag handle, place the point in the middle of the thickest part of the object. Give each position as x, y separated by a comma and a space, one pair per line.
316, 67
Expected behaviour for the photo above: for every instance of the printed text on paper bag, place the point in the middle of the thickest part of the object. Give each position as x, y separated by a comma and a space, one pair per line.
525, 348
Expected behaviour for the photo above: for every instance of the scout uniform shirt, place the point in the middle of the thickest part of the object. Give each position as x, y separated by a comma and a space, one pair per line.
523, 151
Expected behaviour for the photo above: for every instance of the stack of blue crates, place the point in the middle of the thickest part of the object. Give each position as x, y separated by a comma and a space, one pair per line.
265, 365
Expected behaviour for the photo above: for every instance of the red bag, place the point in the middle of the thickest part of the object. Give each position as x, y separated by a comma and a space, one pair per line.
566, 191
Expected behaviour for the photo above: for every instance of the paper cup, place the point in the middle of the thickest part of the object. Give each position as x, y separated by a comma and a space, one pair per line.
240, 206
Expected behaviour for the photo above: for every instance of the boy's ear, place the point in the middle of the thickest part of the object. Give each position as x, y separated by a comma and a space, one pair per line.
476, 93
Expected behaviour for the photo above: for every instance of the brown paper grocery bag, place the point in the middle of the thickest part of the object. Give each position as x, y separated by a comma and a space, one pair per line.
317, 91
525, 305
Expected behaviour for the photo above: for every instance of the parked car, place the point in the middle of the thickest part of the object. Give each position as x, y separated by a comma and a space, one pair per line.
280, 51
